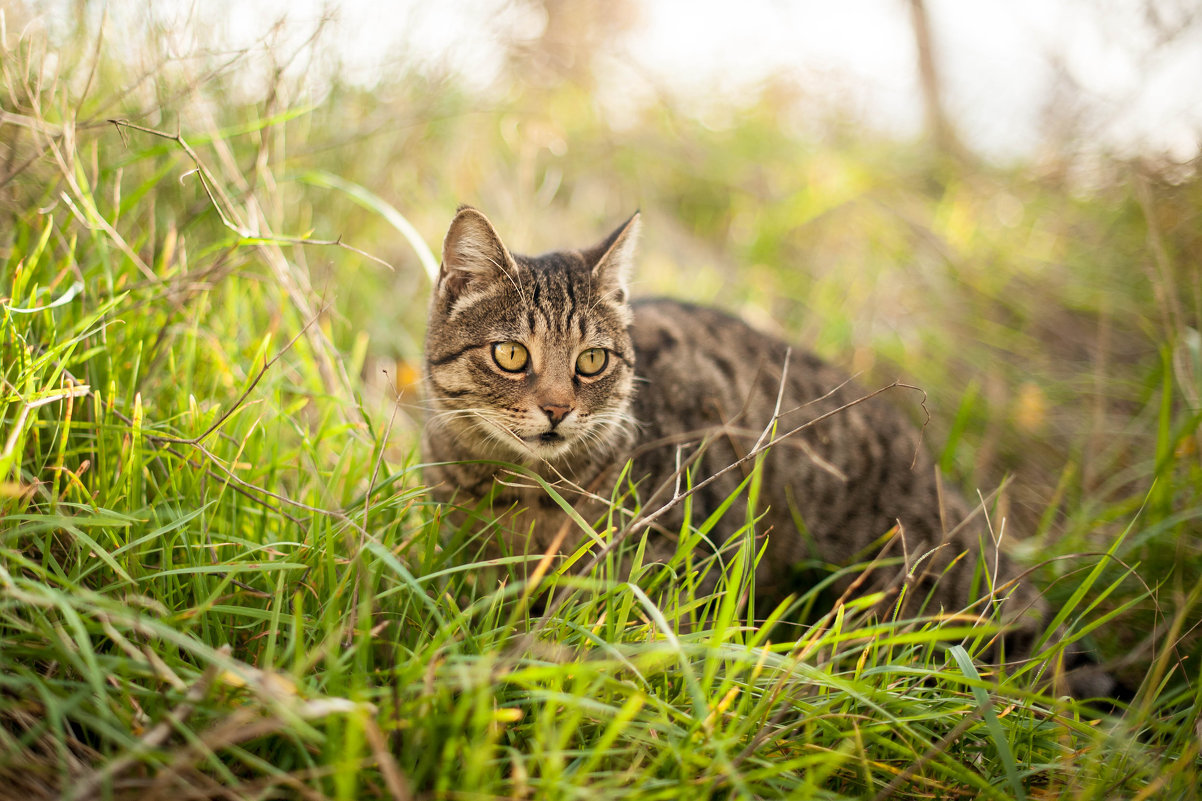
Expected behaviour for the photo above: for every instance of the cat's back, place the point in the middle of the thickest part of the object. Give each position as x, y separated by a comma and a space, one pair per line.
666, 330
699, 365
846, 462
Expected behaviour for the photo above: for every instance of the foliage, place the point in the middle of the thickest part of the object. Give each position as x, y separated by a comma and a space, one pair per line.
221, 575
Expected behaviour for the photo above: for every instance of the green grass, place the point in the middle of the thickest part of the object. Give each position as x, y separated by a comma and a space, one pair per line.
222, 577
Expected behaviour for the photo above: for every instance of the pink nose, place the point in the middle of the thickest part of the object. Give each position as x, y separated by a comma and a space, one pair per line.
556, 413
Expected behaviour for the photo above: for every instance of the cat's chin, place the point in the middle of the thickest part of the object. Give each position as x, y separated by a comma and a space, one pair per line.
549, 447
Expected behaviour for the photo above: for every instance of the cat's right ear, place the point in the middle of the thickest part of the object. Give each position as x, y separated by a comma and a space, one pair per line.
612, 260
472, 255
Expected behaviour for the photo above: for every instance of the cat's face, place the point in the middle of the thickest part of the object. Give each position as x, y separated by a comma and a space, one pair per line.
529, 359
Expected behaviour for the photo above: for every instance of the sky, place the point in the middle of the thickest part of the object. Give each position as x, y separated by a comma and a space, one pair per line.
1003, 63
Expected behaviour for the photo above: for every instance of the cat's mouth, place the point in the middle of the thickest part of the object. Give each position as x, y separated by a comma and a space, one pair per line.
547, 445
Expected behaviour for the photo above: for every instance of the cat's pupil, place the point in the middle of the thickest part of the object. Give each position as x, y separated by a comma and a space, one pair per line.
510, 356
592, 361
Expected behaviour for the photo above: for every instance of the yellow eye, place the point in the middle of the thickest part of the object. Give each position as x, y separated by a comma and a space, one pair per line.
592, 361
510, 356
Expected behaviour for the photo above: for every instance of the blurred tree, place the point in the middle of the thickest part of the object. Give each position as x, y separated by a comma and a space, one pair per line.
939, 127
1171, 19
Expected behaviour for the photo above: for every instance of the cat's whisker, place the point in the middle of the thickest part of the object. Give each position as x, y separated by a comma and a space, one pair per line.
514, 277
436, 403
607, 295
452, 413
442, 420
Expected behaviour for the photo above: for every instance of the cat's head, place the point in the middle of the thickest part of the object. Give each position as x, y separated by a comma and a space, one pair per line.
529, 359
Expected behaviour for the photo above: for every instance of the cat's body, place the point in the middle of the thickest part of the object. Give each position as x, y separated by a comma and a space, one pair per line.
709, 378
676, 376
545, 363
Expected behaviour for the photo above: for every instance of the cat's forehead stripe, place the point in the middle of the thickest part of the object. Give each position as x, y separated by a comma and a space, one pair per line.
553, 305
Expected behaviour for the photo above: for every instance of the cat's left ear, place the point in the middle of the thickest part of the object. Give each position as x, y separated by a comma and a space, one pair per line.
614, 260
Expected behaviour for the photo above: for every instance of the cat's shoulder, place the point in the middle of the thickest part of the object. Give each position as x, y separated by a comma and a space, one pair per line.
659, 314
666, 324
691, 343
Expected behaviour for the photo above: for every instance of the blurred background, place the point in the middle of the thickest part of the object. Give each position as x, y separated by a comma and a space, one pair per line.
996, 201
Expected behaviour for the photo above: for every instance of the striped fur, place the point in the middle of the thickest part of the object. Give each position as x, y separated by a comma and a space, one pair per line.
681, 382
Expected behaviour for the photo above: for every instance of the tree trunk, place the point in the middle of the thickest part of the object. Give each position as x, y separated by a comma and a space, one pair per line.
939, 128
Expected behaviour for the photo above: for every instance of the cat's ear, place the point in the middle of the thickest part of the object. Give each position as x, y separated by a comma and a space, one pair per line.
472, 255
614, 260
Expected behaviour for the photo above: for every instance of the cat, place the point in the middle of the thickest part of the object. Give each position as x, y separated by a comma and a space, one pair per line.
546, 362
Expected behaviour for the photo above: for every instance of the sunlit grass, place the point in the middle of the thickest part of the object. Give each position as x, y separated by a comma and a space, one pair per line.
222, 576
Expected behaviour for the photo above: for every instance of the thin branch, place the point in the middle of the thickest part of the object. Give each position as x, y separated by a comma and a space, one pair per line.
241, 398
87, 87
211, 188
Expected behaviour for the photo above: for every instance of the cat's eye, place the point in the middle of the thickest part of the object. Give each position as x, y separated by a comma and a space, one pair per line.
510, 356
592, 361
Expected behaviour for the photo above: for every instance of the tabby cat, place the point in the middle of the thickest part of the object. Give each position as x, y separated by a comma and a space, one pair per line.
545, 362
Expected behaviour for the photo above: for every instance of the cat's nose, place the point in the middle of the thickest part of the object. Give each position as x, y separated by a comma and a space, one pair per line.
555, 413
